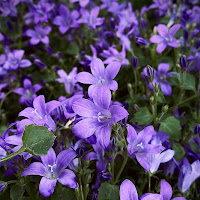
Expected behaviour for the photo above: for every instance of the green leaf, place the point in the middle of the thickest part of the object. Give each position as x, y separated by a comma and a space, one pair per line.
189, 81
172, 127
179, 151
143, 117
108, 192
73, 49
37, 140
16, 192
160, 98
63, 193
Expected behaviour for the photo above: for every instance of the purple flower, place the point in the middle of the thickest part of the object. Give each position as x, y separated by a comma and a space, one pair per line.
8, 7
69, 81
2, 94
166, 191
113, 55
82, 3
14, 60
1, 37
188, 174
129, 192
40, 113
100, 76
39, 35
91, 19
52, 169
165, 37
39, 12
66, 19
98, 116
160, 4
160, 77
139, 147
28, 92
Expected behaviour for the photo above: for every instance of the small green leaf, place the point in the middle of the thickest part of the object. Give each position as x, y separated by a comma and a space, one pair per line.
37, 140
73, 49
160, 98
143, 117
179, 151
172, 127
16, 192
108, 192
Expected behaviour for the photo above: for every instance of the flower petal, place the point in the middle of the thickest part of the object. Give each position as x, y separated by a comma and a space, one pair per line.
165, 190
103, 136
112, 70
166, 88
97, 68
161, 47
156, 39
163, 67
35, 168
86, 78
174, 29
162, 30
132, 134
50, 158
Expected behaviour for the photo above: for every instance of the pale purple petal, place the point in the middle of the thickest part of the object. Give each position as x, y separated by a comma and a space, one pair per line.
128, 191
166, 155
85, 108
39, 104
19, 91
102, 97
173, 43
83, 3
179, 198
47, 186
45, 40
156, 39
50, 158
37, 87
143, 162
91, 156
118, 113
62, 74
161, 47
166, 88
152, 197
86, 78
146, 134
99, 21
95, 12
58, 20
174, 29
132, 134
27, 112
34, 41
68, 178
27, 83
18, 54
51, 105
25, 63
97, 68
85, 128
113, 85
112, 70
91, 90
165, 190
103, 136
162, 30
163, 67
35, 168
14, 140
63, 29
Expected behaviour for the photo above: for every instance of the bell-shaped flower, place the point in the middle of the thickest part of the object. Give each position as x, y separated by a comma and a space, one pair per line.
98, 116
52, 169
40, 114
139, 147
165, 37
100, 76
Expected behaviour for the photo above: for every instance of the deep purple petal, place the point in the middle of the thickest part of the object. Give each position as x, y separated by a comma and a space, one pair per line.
102, 97
35, 168
58, 20
85, 108
91, 156
30, 33
86, 78
118, 113
85, 128
103, 136
128, 191
27, 84
163, 68
47, 186
64, 158
166, 88
68, 178
50, 158
165, 190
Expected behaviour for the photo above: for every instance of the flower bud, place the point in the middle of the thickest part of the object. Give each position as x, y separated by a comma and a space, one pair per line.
150, 72
136, 107
197, 129
182, 61
134, 62
165, 108
140, 40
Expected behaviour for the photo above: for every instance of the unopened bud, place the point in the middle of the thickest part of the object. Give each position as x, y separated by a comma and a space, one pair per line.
165, 108
150, 72
134, 62
197, 129
152, 100
141, 41
136, 107
183, 62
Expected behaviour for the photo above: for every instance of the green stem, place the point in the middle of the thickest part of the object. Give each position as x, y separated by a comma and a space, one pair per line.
123, 165
113, 169
155, 114
135, 76
183, 102
149, 184
2, 101
21, 150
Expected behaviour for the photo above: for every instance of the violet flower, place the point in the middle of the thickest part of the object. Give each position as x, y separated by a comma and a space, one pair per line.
165, 37
188, 174
83, 3
40, 113
91, 19
39, 34
28, 92
129, 192
2, 94
98, 116
100, 76
160, 4
14, 60
139, 147
52, 169
113, 55
66, 19
70, 82
8, 7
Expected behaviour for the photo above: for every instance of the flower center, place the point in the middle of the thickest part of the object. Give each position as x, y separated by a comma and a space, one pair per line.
51, 172
162, 78
37, 114
139, 147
